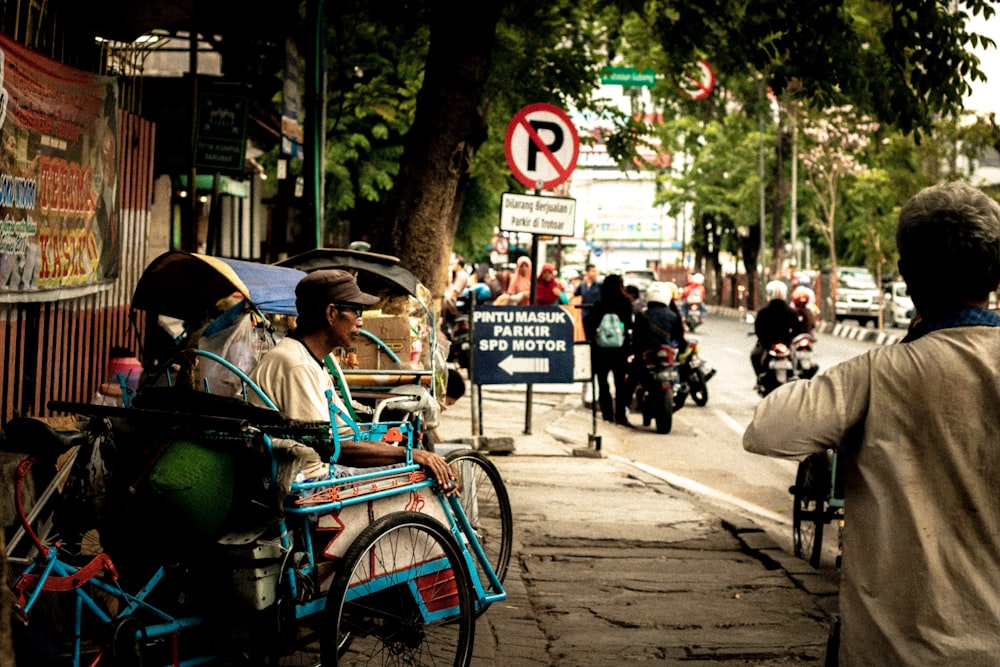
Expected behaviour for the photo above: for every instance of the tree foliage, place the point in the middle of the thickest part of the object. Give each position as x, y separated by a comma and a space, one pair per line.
421, 93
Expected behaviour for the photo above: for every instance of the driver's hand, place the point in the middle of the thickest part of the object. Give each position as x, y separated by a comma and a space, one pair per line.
438, 469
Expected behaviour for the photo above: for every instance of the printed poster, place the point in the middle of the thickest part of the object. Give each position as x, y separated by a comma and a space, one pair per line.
58, 174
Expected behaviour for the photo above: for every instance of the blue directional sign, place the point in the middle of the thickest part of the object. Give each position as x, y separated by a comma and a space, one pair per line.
522, 345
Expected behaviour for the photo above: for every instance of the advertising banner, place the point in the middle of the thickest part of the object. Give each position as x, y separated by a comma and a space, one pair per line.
58, 174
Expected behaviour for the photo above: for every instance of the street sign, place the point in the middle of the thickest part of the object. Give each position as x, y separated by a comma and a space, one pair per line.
221, 135
628, 76
522, 345
534, 214
542, 146
699, 84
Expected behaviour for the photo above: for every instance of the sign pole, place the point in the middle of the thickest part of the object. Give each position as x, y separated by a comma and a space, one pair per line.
529, 393
541, 146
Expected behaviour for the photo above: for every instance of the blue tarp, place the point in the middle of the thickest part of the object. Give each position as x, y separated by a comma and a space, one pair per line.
272, 288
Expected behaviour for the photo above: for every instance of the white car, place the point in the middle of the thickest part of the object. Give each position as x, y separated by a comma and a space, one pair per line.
638, 277
898, 306
857, 295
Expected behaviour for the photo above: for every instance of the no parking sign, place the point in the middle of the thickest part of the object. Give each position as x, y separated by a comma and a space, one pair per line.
542, 146
700, 82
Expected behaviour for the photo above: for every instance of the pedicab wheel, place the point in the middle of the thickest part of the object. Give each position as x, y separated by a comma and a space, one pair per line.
698, 387
401, 595
487, 506
664, 412
808, 512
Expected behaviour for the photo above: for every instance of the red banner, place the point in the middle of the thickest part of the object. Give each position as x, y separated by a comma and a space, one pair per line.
58, 174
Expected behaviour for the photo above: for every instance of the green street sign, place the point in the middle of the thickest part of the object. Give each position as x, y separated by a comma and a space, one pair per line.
628, 76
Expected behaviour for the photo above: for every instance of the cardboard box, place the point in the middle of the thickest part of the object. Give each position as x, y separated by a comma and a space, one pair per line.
394, 331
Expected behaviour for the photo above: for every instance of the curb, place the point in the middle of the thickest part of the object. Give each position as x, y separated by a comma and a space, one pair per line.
836, 329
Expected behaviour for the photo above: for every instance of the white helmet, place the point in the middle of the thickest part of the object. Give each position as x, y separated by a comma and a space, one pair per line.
803, 279
698, 279
658, 292
776, 290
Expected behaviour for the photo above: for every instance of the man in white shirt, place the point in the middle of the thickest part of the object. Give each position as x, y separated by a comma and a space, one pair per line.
330, 306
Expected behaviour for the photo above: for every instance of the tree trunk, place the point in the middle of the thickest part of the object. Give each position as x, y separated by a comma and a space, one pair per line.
751, 249
420, 218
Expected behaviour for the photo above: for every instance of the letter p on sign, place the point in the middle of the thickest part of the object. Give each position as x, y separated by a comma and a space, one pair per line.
542, 146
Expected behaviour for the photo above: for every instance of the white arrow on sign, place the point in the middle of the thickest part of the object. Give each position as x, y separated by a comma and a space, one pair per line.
513, 364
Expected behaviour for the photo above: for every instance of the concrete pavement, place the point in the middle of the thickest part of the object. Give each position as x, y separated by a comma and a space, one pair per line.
612, 565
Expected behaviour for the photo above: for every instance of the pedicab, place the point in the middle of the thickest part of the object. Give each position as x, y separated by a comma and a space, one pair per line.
175, 530
399, 370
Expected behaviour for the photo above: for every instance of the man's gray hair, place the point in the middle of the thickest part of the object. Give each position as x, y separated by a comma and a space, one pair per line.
948, 238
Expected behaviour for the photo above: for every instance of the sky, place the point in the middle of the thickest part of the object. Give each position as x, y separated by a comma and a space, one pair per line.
985, 97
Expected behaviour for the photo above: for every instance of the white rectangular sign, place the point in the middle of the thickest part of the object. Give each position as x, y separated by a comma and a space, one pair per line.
534, 214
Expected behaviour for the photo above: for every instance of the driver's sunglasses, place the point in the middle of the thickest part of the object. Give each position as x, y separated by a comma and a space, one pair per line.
350, 308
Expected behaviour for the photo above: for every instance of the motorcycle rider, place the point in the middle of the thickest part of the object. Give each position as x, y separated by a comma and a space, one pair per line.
775, 323
803, 311
694, 292
658, 325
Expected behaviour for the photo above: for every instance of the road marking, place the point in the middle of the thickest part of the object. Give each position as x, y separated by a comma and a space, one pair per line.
733, 425
694, 487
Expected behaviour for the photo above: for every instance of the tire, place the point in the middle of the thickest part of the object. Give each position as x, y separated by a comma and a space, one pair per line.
809, 508
680, 399
664, 407
380, 622
698, 387
487, 506
641, 396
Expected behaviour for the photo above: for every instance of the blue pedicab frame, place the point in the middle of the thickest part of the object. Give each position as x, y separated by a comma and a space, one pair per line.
474, 587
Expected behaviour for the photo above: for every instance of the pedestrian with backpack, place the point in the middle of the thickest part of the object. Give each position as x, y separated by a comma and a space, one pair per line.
608, 326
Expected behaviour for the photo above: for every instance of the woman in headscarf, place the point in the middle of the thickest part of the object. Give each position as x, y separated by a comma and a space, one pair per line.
548, 289
519, 289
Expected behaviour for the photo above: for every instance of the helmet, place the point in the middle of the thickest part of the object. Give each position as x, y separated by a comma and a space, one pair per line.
658, 292
698, 279
776, 290
803, 279
800, 296
675, 291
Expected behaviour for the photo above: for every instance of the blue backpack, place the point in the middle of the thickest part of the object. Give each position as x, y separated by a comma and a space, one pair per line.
611, 331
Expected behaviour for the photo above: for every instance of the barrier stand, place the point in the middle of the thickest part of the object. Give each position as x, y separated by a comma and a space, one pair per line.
583, 370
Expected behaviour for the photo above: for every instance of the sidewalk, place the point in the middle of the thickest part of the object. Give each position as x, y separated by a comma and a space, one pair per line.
613, 566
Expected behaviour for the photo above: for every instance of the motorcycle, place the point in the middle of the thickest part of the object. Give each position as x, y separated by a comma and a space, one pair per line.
777, 369
656, 392
695, 315
460, 331
802, 356
696, 375
787, 362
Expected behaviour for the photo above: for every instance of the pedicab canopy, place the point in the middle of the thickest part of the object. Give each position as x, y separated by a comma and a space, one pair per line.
377, 274
187, 286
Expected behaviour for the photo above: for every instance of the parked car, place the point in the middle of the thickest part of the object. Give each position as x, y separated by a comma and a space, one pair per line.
639, 277
857, 295
898, 305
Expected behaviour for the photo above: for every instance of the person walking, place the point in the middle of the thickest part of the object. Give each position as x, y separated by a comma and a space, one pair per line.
611, 361
589, 289
915, 426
